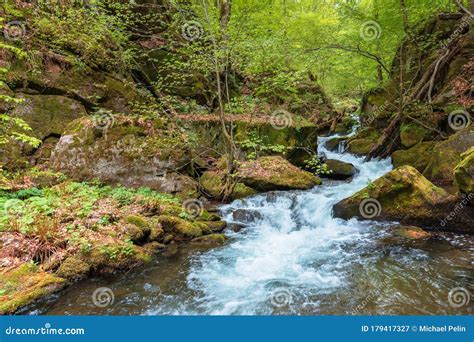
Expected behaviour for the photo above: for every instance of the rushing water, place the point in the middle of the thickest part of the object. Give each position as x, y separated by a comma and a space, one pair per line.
290, 256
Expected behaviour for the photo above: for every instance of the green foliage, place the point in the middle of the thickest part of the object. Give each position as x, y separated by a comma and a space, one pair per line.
316, 166
256, 148
20, 210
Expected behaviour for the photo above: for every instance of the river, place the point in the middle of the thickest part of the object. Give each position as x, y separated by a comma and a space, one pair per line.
289, 256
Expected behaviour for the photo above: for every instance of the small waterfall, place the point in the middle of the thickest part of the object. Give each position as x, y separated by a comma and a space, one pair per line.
342, 147
294, 245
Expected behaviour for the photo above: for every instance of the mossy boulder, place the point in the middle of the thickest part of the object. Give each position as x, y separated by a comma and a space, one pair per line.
446, 156
412, 134
361, 147
212, 185
275, 173
48, 115
418, 156
131, 152
210, 240
180, 228
73, 269
339, 170
406, 196
464, 173
25, 284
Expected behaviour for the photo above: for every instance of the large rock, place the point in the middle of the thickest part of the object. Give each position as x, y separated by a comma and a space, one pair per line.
446, 156
411, 134
404, 195
131, 152
339, 170
211, 183
418, 156
275, 173
464, 173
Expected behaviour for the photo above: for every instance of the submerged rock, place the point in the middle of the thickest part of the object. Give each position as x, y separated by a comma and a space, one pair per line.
276, 173
411, 232
339, 169
406, 196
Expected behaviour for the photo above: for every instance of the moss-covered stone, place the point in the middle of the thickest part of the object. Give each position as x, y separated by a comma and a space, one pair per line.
418, 156
216, 226
73, 269
131, 152
211, 240
212, 185
406, 196
339, 170
464, 172
412, 134
275, 173
25, 284
446, 155
361, 147
180, 228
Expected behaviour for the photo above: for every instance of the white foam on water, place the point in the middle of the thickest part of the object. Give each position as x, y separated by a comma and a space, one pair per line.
296, 246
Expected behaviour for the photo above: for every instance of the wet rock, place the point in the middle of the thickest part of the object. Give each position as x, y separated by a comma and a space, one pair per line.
333, 144
339, 170
246, 215
275, 173
411, 232
404, 195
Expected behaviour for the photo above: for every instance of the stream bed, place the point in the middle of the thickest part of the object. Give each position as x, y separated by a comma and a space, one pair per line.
286, 254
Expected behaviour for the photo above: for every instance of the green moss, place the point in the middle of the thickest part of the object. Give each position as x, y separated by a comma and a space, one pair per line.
73, 269
211, 240
412, 134
275, 173
180, 227
25, 284
418, 156
464, 172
